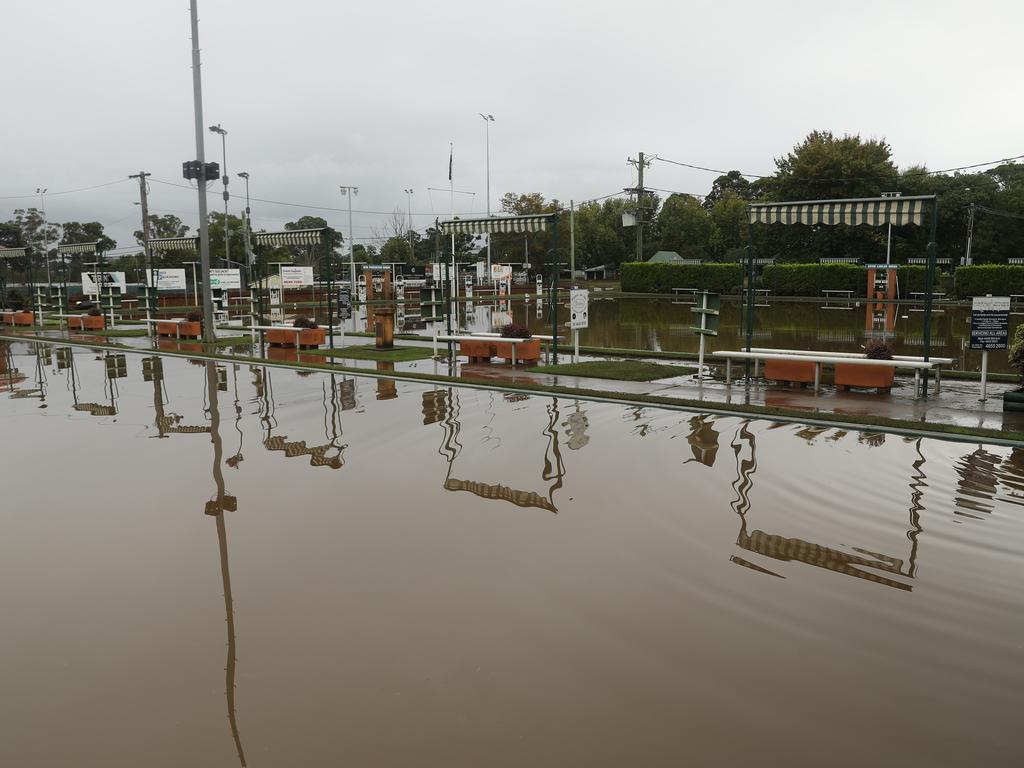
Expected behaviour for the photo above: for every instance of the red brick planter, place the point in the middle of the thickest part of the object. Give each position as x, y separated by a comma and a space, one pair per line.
789, 370
478, 351
189, 330
307, 337
310, 338
23, 318
526, 352
880, 376
87, 323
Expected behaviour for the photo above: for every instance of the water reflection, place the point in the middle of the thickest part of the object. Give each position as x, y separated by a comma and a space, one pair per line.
329, 453
216, 507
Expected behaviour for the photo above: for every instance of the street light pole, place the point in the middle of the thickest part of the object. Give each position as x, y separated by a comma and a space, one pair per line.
204, 231
350, 192
888, 240
41, 191
488, 119
224, 178
408, 199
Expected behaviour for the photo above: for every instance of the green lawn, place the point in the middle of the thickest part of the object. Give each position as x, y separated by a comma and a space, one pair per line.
370, 352
620, 370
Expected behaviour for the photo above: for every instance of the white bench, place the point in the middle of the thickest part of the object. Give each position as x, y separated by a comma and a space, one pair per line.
847, 358
478, 337
937, 362
833, 294
548, 340
176, 320
692, 292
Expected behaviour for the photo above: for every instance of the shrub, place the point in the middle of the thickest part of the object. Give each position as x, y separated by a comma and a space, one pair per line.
94, 312
194, 317
1016, 356
16, 300
304, 322
877, 349
981, 279
643, 277
812, 279
513, 331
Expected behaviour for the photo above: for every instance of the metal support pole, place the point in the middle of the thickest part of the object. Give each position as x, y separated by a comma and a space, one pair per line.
928, 287
556, 268
204, 225
750, 294
984, 376
328, 258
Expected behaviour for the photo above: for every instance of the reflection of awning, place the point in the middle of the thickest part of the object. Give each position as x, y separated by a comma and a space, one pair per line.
488, 491
78, 247
290, 237
13, 253
873, 211
504, 224
158, 244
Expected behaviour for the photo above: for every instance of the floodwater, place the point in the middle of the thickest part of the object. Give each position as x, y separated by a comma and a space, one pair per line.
661, 324
210, 565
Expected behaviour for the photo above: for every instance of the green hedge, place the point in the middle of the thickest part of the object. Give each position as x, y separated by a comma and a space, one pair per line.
996, 279
641, 277
812, 279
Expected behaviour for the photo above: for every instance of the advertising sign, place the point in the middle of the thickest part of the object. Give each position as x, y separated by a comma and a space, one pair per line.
990, 319
344, 303
579, 308
540, 285
167, 279
115, 279
500, 272
221, 279
481, 271
296, 277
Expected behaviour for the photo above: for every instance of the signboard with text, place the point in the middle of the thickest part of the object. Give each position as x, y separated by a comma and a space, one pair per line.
110, 279
344, 303
222, 279
500, 272
579, 308
167, 279
296, 277
990, 320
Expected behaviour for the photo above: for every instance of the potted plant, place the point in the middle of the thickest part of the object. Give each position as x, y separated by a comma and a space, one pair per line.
880, 376
528, 352
92, 320
790, 371
191, 328
1014, 399
311, 335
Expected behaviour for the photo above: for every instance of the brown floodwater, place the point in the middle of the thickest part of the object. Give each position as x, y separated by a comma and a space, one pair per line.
214, 565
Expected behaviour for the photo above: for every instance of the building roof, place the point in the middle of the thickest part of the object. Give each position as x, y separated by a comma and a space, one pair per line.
664, 257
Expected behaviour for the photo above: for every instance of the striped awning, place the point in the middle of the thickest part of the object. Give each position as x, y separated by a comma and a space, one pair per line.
504, 224
161, 244
13, 253
290, 237
873, 211
68, 248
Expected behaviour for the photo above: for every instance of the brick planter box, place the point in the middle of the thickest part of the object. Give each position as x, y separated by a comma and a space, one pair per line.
527, 352
87, 323
23, 318
189, 330
478, 351
306, 338
880, 376
797, 371
7, 317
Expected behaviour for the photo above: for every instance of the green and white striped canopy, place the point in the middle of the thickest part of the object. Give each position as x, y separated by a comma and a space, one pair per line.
873, 211
13, 253
504, 224
290, 237
68, 248
161, 244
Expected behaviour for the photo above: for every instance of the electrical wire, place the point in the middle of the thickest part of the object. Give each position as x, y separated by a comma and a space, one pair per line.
66, 191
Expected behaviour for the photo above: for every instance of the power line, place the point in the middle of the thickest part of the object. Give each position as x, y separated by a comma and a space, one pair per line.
66, 191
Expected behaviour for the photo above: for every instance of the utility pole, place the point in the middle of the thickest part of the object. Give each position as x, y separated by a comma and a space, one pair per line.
640, 193
204, 226
970, 233
148, 264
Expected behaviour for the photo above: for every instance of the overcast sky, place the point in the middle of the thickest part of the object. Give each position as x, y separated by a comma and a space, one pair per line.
318, 93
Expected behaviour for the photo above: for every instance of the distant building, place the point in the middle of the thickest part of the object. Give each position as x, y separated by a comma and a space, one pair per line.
665, 257
603, 272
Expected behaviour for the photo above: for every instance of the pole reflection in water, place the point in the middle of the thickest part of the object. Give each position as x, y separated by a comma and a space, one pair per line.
329, 454
444, 406
216, 507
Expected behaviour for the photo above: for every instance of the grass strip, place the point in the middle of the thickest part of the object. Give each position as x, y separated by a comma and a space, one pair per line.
369, 352
618, 370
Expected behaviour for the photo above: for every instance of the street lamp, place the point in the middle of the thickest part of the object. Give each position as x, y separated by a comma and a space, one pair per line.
245, 175
488, 119
41, 191
408, 198
224, 178
351, 236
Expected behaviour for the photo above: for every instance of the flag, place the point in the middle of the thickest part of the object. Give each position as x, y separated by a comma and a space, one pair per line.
449, 161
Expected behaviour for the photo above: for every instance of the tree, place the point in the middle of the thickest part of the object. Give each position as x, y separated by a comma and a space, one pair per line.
396, 249
523, 248
365, 253
237, 240
824, 167
38, 234
685, 226
312, 255
167, 225
730, 184
729, 217
600, 237
87, 232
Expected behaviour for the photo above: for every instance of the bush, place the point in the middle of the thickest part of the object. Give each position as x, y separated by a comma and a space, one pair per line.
812, 279
1016, 356
194, 317
16, 300
304, 322
979, 280
513, 331
643, 277
95, 312
877, 349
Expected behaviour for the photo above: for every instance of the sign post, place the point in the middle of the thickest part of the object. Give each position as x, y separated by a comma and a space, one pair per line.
708, 311
579, 317
990, 320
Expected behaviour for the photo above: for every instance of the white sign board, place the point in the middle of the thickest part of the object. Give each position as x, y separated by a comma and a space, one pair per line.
540, 285
296, 277
221, 279
500, 272
481, 271
116, 279
167, 279
579, 308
